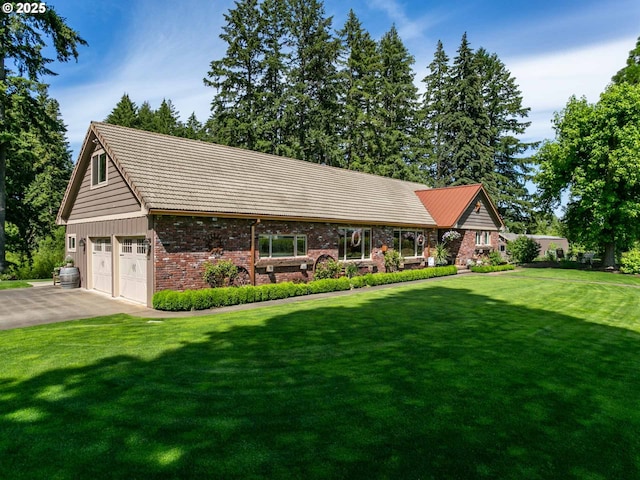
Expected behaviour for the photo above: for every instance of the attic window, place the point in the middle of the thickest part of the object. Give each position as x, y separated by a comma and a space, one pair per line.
99, 169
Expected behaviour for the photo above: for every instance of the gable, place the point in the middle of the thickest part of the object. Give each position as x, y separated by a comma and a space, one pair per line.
110, 198
479, 215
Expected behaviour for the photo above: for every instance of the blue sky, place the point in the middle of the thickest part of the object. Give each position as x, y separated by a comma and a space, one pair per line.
155, 49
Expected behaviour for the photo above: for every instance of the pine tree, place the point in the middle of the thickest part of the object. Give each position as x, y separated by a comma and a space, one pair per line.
435, 109
311, 111
468, 122
193, 128
22, 44
273, 87
235, 108
358, 95
146, 117
396, 110
167, 119
503, 104
125, 113
39, 165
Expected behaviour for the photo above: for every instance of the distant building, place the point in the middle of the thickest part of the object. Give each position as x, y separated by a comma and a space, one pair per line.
546, 242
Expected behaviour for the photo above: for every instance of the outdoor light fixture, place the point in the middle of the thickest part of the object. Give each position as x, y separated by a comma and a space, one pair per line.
83, 243
147, 245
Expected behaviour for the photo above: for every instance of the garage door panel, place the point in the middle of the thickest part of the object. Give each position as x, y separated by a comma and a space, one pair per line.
133, 269
101, 265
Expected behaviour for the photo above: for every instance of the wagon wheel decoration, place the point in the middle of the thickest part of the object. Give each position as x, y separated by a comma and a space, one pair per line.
242, 278
323, 259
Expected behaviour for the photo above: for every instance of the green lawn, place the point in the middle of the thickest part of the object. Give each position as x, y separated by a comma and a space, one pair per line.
6, 284
500, 376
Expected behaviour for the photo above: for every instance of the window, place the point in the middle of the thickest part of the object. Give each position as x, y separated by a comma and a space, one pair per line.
282, 246
409, 243
71, 242
99, 169
483, 238
354, 244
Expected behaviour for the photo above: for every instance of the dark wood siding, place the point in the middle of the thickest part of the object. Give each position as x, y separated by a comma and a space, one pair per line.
111, 199
482, 219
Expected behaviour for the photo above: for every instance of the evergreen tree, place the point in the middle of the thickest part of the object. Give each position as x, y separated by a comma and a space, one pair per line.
435, 109
166, 119
468, 122
236, 77
193, 128
39, 165
397, 110
359, 83
22, 42
125, 113
146, 117
503, 104
273, 87
311, 113
631, 72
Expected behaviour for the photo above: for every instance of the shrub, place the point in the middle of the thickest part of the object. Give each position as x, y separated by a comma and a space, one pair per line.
392, 260
495, 258
491, 268
327, 269
523, 249
630, 261
351, 270
220, 274
224, 296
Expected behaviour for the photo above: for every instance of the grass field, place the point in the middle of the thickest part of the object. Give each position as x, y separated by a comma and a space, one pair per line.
6, 284
500, 376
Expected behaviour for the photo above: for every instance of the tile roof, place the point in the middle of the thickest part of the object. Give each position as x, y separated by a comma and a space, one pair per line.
172, 174
447, 204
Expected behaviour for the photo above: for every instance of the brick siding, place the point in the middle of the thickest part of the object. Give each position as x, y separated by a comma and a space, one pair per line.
183, 244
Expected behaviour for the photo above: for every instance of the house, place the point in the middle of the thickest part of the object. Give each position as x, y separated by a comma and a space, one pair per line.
547, 243
144, 212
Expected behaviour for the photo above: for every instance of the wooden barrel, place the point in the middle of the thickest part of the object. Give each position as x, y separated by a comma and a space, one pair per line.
69, 277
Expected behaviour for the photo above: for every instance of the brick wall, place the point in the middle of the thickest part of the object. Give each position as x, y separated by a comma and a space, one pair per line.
183, 244
465, 247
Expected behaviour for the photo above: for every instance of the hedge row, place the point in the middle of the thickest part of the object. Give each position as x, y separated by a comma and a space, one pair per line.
491, 268
221, 297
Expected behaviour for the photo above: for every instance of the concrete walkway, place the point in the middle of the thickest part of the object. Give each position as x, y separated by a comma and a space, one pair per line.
44, 303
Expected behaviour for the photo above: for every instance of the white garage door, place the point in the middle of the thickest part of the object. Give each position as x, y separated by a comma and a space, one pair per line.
133, 269
101, 265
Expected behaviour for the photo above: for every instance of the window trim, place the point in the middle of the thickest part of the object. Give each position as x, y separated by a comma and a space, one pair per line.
70, 237
485, 238
295, 237
417, 249
343, 233
95, 164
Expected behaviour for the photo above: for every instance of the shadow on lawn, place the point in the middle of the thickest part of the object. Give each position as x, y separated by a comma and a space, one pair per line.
425, 383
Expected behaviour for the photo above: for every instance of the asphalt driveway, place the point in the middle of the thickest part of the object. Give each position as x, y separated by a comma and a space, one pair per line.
23, 307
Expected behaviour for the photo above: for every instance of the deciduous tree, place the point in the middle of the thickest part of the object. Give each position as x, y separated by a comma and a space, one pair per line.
595, 158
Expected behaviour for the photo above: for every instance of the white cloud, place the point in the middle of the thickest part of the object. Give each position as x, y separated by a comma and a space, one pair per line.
168, 54
548, 81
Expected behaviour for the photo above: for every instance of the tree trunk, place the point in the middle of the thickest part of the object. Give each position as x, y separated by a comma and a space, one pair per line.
3, 168
609, 259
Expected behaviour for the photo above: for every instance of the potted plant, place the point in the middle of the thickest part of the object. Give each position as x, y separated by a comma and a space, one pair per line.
441, 254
